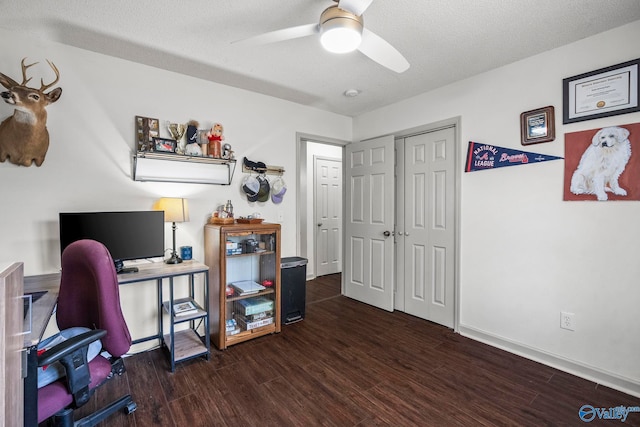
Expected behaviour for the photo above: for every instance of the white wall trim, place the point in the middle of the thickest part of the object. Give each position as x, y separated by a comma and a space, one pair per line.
575, 368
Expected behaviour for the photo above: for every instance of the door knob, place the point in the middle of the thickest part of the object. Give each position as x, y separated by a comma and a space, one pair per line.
319, 224
387, 233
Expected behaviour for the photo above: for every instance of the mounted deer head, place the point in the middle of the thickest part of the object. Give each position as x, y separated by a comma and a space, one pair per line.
24, 138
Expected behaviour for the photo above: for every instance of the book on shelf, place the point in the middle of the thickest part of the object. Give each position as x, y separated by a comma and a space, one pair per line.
257, 316
184, 308
251, 306
247, 287
232, 327
249, 325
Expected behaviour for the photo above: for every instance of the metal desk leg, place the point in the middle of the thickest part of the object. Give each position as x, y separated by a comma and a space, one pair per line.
172, 350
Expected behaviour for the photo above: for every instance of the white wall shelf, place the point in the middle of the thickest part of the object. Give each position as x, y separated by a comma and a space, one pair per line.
165, 167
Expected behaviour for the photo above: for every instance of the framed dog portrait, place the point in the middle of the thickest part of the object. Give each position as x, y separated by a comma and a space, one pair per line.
602, 164
164, 145
601, 93
538, 126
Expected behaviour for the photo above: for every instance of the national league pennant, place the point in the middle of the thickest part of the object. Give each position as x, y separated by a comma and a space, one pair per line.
485, 156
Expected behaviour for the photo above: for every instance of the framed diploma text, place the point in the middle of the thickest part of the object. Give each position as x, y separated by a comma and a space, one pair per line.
601, 93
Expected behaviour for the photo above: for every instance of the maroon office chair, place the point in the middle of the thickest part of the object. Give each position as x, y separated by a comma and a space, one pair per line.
88, 297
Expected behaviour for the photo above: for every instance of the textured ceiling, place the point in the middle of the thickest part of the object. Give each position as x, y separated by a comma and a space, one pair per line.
443, 40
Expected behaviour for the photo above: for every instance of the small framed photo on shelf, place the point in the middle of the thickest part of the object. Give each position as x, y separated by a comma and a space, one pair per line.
164, 145
147, 128
537, 126
602, 93
184, 308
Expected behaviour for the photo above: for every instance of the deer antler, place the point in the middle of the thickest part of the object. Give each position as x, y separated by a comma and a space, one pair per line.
44, 87
25, 80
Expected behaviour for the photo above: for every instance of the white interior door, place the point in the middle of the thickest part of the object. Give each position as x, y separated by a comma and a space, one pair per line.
427, 230
368, 273
328, 215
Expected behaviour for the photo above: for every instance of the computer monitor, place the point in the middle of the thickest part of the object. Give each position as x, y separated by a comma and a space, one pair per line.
127, 235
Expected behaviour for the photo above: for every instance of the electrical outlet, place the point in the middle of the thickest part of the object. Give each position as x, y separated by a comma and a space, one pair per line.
567, 321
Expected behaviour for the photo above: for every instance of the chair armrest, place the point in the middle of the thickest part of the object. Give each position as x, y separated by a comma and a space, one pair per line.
67, 347
72, 354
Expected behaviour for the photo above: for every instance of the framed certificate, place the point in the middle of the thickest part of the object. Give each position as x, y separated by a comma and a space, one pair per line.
537, 126
601, 93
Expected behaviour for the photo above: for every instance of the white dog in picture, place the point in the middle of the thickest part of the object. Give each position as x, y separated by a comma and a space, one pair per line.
602, 163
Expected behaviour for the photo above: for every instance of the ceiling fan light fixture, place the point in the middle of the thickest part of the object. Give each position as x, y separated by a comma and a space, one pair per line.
341, 31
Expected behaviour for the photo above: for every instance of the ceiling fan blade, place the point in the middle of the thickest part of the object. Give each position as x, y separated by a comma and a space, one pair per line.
357, 7
280, 35
376, 48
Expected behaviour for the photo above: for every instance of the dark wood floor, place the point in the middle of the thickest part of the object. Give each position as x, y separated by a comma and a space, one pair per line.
349, 364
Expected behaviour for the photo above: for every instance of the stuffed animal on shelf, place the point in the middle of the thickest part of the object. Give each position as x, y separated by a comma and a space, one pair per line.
215, 140
192, 148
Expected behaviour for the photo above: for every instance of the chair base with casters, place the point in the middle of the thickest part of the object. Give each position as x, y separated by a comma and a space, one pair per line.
64, 418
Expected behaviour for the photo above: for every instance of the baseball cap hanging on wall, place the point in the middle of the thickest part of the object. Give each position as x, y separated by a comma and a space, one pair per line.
278, 188
254, 166
263, 192
256, 188
251, 187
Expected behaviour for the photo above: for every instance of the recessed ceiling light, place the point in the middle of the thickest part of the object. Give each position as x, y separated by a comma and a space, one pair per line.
350, 93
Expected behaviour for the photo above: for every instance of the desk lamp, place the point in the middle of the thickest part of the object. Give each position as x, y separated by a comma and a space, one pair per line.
175, 210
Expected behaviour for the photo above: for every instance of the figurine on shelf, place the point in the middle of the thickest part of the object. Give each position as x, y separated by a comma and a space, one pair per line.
227, 152
192, 148
215, 140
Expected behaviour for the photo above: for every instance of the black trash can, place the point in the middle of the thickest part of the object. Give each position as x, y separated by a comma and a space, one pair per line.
293, 274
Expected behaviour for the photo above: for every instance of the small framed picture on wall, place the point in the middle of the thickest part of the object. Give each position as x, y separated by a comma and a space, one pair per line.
537, 126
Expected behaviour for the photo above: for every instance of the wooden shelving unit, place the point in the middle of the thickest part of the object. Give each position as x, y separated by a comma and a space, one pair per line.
188, 343
229, 268
174, 340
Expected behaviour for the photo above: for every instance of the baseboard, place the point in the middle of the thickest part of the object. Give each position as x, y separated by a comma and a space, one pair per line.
575, 368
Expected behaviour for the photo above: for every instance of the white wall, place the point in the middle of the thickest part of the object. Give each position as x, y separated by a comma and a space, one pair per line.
525, 254
88, 165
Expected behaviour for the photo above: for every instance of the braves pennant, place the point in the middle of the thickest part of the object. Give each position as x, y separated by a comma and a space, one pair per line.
485, 156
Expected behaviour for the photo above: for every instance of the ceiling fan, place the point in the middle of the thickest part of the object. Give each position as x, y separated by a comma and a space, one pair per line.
341, 30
